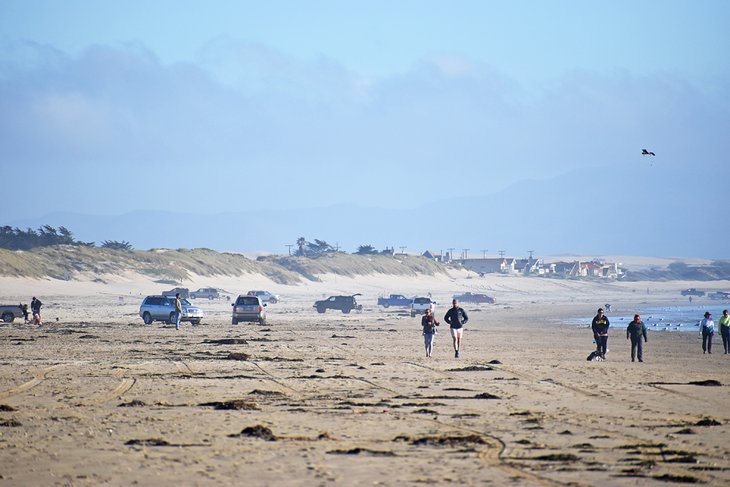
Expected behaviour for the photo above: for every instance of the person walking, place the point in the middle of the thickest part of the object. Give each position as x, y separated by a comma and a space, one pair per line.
178, 311
635, 331
429, 324
456, 317
724, 324
600, 325
35, 308
707, 330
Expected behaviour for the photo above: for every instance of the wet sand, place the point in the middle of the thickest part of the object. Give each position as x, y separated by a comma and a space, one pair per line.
97, 397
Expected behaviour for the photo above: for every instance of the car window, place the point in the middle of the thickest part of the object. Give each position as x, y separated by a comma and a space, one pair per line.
247, 300
184, 302
422, 300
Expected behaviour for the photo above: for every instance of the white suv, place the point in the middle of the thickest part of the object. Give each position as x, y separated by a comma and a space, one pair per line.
421, 304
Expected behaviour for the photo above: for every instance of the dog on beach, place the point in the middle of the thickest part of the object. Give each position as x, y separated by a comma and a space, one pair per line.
595, 357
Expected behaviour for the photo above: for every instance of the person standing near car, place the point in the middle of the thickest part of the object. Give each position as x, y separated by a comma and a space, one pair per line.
707, 330
600, 325
724, 324
456, 317
635, 331
429, 324
178, 311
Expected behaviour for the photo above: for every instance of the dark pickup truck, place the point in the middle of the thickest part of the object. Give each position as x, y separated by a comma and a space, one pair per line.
397, 300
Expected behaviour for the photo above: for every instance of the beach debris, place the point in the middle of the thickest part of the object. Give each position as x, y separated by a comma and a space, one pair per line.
234, 404
680, 479
685, 431
358, 451
10, 423
494, 362
260, 392
148, 442
132, 404
555, 457
706, 383
237, 356
227, 341
6, 408
708, 422
472, 368
257, 431
445, 440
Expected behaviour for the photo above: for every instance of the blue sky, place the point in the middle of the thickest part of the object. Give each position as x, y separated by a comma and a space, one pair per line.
110, 107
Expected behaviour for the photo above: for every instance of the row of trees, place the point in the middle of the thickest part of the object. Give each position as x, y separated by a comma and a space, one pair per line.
46, 236
321, 247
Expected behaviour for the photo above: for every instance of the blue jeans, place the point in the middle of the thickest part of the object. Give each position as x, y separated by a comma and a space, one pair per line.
725, 332
601, 344
707, 341
636, 349
428, 341
178, 315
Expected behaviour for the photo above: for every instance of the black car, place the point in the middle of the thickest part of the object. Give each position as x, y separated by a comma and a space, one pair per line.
692, 292
720, 295
343, 303
184, 292
474, 298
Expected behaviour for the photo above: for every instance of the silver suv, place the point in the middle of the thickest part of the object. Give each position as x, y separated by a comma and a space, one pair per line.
162, 308
249, 308
265, 296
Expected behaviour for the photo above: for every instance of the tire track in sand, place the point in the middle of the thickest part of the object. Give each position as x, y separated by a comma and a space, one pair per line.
125, 385
38, 377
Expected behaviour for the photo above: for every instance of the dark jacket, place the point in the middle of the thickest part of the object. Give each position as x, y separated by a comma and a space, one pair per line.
456, 317
636, 330
600, 325
429, 324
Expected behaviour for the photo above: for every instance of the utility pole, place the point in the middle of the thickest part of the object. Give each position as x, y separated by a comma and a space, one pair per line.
289, 246
501, 253
402, 249
337, 246
466, 253
531, 252
484, 253
451, 253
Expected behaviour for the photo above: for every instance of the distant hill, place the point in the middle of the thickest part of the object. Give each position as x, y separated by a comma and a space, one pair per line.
68, 262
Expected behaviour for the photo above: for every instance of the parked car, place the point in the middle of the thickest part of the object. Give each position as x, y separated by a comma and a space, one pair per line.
9, 312
248, 308
474, 298
184, 292
692, 292
395, 300
265, 296
720, 295
419, 306
204, 292
162, 308
343, 303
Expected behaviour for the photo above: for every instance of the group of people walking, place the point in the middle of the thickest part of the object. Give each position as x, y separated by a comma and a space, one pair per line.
637, 330
35, 308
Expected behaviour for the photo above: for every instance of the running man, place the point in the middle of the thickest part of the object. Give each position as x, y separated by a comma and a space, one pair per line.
456, 317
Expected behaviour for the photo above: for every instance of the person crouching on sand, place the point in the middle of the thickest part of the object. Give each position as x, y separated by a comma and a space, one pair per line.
429, 324
635, 331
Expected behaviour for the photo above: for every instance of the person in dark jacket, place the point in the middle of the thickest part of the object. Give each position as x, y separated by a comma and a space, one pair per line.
429, 324
35, 308
600, 326
635, 331
456, 317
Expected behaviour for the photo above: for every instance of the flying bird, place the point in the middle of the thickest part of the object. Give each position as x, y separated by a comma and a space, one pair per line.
645, 152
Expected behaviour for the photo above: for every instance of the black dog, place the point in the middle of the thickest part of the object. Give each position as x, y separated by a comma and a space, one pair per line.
595, 357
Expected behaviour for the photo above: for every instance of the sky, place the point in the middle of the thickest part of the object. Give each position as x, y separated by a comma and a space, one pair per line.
206, 108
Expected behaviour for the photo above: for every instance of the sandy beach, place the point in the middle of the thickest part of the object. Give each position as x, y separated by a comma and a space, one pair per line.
96, 397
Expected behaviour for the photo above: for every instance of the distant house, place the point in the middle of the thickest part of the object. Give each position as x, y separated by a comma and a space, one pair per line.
501, 265
592, 269
527, 266
430, 255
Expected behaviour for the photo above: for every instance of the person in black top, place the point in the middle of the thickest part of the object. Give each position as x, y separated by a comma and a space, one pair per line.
24, 309
35, 307
456, 317
429, 324
635, 331
600, 326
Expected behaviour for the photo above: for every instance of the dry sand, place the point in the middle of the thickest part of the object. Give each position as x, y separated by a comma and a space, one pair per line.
96, 397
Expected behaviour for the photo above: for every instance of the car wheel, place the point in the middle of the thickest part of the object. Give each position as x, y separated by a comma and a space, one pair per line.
273, 301
172, 318
195, 322
386, 305
346, 311
234, 321
262, 321
8, 317
413, 315
147, 318
210, 298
